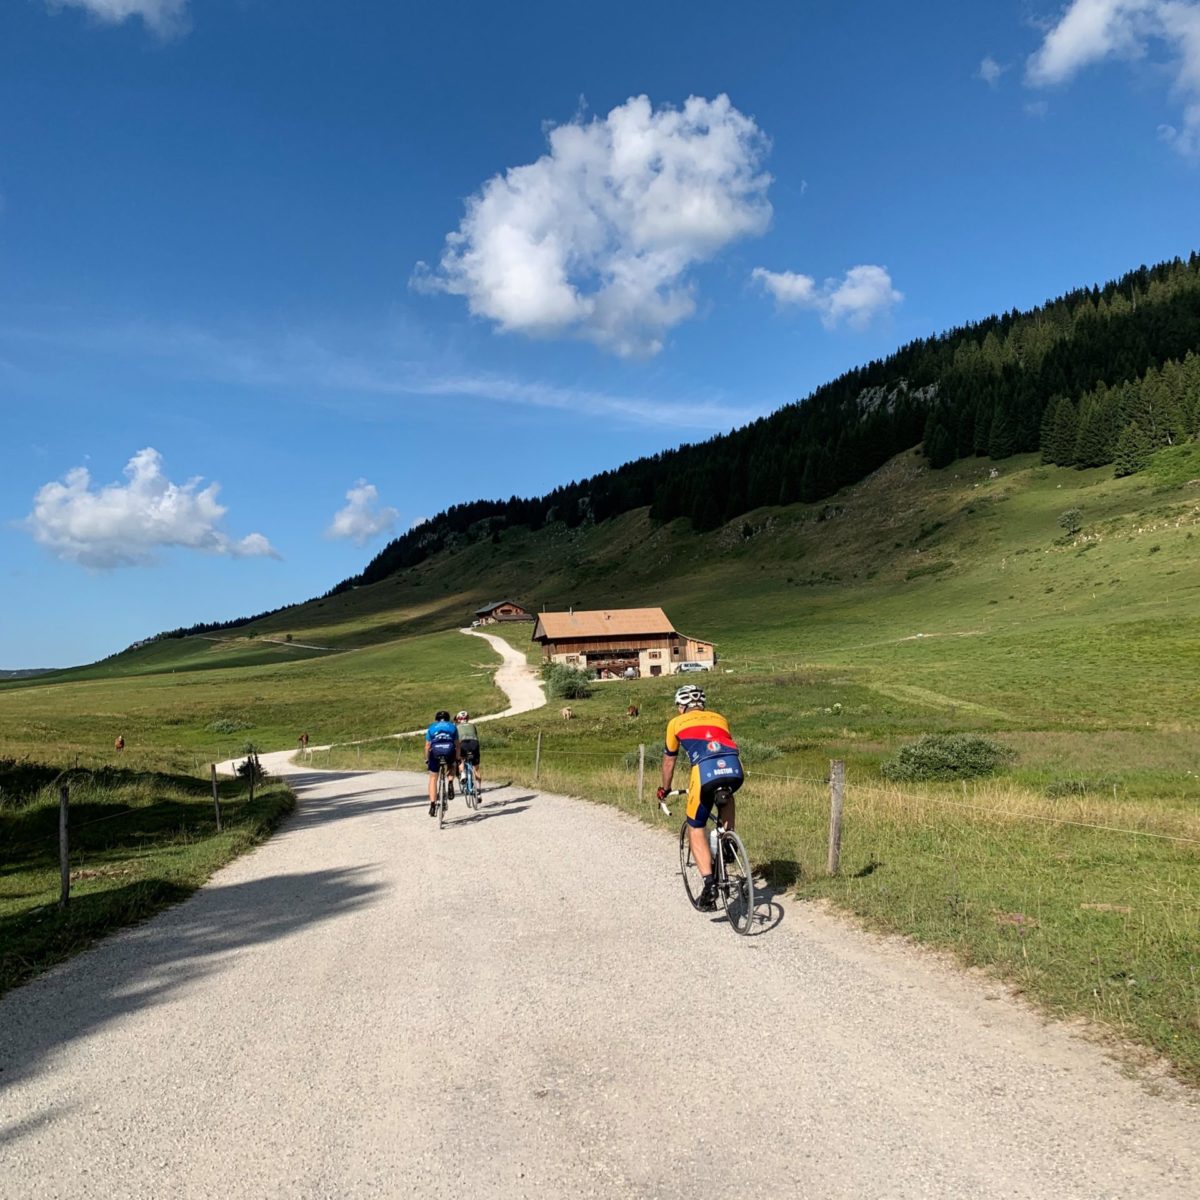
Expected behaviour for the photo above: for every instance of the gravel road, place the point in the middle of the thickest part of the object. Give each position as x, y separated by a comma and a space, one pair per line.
523, 1004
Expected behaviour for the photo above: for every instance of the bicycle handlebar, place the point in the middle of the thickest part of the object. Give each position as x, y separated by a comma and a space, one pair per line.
671, 792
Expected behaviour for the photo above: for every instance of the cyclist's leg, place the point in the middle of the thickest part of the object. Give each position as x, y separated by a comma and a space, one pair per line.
697, 819
727, 814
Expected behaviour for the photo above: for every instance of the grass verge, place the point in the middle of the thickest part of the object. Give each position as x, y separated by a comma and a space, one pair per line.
139, 841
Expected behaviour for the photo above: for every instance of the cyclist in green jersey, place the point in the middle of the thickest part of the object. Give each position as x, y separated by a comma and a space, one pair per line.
468, 744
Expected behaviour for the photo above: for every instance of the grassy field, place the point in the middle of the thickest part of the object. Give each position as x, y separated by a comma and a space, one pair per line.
915, 602
140, 840
181, 718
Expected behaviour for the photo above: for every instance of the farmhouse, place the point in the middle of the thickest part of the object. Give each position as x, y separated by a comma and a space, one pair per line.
618, 642
501, 610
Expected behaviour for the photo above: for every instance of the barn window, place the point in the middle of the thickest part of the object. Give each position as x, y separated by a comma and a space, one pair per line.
655, 654
572, 658
675, 651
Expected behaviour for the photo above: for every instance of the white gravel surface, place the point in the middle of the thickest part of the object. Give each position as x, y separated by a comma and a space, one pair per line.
523, 1004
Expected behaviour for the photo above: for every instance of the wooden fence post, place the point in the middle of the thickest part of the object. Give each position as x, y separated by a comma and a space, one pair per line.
837, 795
216, 797
64, 849
537, 758
641, 771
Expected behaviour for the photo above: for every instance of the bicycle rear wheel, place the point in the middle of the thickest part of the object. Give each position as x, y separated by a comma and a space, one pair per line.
737, 893
693, 881
443, 795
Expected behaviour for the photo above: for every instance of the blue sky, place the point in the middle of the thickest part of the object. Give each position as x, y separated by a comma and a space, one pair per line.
277, 281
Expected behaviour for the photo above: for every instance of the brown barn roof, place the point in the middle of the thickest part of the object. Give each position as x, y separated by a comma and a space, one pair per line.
616, 622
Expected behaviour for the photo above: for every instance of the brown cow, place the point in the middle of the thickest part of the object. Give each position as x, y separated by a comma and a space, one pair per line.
632, 710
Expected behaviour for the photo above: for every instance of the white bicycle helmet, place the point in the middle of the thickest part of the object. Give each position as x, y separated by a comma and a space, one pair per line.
690, 696
462, 716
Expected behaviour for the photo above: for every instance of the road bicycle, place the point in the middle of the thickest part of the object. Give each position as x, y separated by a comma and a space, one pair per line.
442, 794
731, 871
470, 789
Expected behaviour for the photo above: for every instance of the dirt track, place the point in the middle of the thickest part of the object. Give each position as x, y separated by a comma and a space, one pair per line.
523, 1004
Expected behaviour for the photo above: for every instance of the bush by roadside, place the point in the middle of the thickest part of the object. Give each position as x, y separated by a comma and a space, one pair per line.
943, 756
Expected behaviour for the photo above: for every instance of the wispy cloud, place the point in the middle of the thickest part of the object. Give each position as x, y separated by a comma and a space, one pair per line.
126, 524
856, 299
1092, 31
362, 518
166, 18
990, 71
310, 366
598, 237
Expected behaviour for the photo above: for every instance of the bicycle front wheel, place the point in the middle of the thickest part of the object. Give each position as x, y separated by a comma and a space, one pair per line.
738, 889
469, 793
693, 881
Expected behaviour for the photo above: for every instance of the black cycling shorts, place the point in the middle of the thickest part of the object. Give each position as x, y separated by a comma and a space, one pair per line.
470, 751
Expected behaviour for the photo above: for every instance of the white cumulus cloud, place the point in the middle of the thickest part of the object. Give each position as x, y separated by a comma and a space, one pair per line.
125, 524
598, 237
362, 518
1091, 31
858, 297
164, 17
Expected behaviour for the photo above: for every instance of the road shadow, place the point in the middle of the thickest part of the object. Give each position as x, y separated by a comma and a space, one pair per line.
321, 810
148, 964
468, 819
768, 912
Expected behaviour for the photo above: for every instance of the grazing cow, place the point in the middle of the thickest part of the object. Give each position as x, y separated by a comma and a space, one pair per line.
567, 714
632, 710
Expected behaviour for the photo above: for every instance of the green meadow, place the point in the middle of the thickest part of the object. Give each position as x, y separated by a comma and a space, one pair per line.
916, 602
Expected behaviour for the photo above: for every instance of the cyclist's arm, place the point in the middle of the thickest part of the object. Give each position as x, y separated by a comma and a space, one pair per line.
668, 768
670, 752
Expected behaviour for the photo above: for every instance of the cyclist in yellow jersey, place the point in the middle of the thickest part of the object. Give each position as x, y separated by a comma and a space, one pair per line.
716, 774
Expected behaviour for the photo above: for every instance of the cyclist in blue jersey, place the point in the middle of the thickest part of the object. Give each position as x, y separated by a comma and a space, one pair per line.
441, 746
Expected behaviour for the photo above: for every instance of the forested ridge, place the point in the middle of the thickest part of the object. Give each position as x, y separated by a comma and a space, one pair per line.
984, 388
1099, 375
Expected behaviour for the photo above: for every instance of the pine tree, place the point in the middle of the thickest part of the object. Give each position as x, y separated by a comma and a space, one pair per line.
983, 425
1002, 442
1133, 452
1064, 433
1098, 428
940, 448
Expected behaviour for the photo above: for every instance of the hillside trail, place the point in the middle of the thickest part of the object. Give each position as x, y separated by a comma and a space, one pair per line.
514, 677
523, 1004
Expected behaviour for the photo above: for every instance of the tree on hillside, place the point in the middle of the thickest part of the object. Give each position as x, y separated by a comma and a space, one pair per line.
1002, 441
940, 448
1134, 448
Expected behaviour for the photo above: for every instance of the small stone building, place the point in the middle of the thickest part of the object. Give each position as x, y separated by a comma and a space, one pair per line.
501, 610
612, 643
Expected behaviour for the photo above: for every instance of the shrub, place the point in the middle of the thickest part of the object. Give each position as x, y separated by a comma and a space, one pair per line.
250, 767
756, 752
229, 725
566, 683
947, 756
1071, 521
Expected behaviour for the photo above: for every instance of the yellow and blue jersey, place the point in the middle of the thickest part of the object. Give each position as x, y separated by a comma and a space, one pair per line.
705, 738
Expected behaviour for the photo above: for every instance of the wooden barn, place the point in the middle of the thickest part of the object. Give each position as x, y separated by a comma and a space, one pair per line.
501, 610
618, 642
